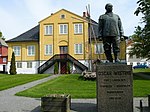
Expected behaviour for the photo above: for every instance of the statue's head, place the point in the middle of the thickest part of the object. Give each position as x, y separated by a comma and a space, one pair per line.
109, 7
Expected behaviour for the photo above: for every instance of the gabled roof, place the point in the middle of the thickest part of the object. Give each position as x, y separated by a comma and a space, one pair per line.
3, 43
33, 34
94, 29
65, 11
30, 35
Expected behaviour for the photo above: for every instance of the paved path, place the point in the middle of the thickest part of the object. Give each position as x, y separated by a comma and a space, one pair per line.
11, 103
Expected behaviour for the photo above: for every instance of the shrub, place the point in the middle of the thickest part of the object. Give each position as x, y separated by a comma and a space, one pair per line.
12, 70
68, 68
56, 68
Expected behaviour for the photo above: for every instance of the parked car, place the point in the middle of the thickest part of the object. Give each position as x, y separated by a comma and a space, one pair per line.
140, 66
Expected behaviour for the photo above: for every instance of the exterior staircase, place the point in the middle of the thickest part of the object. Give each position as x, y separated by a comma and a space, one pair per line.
61, 58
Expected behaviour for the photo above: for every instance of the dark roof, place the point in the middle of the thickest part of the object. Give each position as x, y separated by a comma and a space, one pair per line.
30, 35
94, 29
33, 34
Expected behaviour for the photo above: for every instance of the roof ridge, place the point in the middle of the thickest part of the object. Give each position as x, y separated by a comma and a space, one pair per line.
28, 34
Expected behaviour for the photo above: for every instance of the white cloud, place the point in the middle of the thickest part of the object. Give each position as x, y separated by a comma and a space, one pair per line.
27, 13
40, 9
124, 8
8, 24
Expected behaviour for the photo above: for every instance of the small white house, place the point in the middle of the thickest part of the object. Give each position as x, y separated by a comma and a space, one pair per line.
133, 60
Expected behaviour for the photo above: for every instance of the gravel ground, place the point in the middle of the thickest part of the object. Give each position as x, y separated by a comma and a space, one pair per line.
11, 103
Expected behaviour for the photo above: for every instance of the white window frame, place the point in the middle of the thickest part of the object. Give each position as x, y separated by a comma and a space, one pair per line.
78, 28
17, 50
78, 48
32, 52
4, 60
48, 29
99, 48
49, 49
29, 64
19, 64
63, 28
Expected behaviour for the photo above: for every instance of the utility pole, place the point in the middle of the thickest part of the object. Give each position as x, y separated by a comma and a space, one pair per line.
90, 37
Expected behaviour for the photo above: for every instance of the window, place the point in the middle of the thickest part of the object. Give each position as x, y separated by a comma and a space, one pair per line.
78, 49
48, 49
131, 63
78, 28
99, 48
31, 50
63, 29
48, 29
62, 16
17, 50
4, 60
29, 64
19, 65
138, 63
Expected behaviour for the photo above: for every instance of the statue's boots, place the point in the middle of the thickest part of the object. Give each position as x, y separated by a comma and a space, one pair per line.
116, 58
109, 56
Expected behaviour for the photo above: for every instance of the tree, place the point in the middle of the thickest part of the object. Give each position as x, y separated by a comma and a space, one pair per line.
12, 70
1, 35
141, 37
68, 67
56, 68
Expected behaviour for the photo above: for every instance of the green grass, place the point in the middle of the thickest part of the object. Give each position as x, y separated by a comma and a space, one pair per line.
65, 84
141, 85
141, 70
78, 88
8, 81
72, 84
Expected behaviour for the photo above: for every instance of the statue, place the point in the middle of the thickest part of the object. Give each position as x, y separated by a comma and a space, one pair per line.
110, 31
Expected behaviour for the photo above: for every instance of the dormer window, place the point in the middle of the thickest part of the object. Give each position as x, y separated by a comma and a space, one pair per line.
62, 16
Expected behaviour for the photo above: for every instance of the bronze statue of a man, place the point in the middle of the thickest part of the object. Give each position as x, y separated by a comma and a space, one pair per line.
111, 32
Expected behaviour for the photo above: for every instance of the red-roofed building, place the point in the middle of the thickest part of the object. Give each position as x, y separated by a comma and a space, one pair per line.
3, 56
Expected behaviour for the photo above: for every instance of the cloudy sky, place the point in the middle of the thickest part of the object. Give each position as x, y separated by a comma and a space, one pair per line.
18, 16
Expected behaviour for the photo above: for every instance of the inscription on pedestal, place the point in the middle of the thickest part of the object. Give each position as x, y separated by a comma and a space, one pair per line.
114, 88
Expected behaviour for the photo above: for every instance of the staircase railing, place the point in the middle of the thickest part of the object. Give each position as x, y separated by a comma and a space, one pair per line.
77, 63
61, 58
48, 63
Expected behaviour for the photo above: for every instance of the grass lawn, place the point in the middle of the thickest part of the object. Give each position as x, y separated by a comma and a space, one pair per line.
141, 87
78, 88
65, 84
8, 81
141, 70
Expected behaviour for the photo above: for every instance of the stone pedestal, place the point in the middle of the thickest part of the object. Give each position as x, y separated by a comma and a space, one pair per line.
114, 88
56, 103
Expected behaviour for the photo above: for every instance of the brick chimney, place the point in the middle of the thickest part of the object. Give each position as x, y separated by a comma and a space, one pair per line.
84, 14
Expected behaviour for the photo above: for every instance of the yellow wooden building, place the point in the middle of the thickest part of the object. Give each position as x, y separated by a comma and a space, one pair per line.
60, 43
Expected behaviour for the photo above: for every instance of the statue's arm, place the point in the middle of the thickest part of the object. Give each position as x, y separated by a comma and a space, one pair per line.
100, 27
120, 27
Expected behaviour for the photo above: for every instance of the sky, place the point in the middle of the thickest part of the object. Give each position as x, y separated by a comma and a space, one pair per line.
18, 16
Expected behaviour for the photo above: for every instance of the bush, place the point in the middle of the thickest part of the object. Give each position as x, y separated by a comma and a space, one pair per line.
56, 68
12, 70
68, 68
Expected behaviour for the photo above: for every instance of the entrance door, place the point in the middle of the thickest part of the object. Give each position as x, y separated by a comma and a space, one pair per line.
63, 50
4, 68
63, 67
